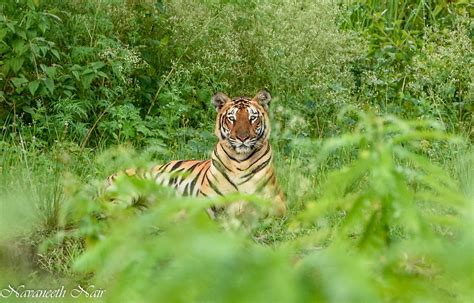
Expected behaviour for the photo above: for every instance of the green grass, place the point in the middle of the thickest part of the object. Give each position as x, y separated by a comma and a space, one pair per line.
371, 130
53, 200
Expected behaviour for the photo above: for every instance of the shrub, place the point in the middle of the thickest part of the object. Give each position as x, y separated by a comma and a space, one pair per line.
406, 43
380, 231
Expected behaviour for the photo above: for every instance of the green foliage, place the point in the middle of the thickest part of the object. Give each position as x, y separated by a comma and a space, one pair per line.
386, 182
408, 43
162, 67
382, 229
380, 200
52, 76
159, 63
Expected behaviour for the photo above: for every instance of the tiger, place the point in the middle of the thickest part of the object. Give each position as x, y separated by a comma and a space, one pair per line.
241, 161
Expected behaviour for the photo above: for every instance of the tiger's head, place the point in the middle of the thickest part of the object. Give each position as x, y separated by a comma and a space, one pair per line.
242, 122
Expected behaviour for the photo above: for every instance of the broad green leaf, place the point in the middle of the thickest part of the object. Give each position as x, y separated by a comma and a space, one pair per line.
3, 33
56, 54
28, 109
102, 74
44, 50
16, 64
49, 83
43, 27
33, 86
87, 71
11, 26
164, 41
97, 65
87, 80
75, 74
18, 82
50, 71
22, 34
19, 46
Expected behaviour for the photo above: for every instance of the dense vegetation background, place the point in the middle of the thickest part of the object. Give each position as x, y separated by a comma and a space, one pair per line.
372, 131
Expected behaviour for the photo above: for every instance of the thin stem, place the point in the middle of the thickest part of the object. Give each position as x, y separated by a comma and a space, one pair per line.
89, 133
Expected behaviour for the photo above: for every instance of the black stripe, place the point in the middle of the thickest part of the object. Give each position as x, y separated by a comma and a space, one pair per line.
256, 161
264, 154
221, 125
200, 191
205, 175
219, 158
164, 167
182, 177
251, 154
222, 171
222, 134
175, 176
213, 186
185, 191
263, 130
230, 157
256, 170
193, 182
176, 165
215, 178
160, 172
190, 170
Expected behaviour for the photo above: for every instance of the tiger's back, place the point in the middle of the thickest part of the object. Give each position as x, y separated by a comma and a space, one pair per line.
185, 176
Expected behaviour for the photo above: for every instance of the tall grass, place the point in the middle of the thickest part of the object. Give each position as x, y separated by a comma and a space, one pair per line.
389, 217
380, 206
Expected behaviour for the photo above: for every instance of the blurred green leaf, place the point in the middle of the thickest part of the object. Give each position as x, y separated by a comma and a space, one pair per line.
49, 83
33, 86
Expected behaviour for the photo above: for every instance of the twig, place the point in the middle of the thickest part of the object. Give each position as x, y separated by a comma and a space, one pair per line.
89, 133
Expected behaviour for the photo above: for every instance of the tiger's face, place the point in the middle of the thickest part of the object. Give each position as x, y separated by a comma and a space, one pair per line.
242, 123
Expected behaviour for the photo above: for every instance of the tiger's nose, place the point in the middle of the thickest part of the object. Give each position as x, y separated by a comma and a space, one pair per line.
242, 137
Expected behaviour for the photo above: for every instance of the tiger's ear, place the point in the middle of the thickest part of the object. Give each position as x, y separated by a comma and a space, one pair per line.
263, 98
218, 100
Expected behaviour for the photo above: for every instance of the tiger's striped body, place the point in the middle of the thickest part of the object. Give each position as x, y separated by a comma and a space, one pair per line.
241, 161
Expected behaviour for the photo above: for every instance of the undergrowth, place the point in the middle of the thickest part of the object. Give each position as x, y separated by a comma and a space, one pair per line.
371, 130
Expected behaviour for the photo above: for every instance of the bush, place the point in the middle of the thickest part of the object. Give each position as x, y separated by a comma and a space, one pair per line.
409, 43
380, 231
380, 199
